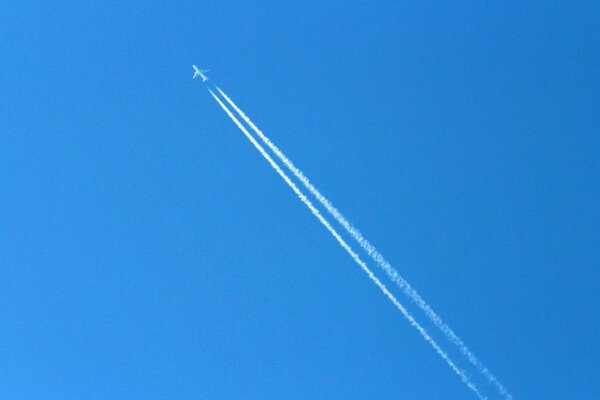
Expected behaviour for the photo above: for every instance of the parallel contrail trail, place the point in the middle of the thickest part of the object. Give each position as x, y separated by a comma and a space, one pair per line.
351, 252
375, 255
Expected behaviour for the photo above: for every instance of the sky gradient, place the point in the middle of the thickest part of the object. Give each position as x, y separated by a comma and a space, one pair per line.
148, 251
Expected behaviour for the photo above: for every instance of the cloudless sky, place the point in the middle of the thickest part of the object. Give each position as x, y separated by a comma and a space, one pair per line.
148, 251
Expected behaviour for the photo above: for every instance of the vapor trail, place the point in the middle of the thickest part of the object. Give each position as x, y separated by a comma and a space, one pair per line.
351, 252
375, 255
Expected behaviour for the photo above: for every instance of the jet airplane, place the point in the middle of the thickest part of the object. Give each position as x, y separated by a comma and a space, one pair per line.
201, 73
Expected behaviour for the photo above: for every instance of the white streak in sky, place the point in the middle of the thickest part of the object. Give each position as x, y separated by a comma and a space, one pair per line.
349, 250
375, 255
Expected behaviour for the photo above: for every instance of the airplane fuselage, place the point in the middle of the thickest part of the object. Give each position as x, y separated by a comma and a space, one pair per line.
200, 73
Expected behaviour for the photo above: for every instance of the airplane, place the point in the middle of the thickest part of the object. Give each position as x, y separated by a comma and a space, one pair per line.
201, 73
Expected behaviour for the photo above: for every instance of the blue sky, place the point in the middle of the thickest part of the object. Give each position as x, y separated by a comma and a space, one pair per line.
148, 251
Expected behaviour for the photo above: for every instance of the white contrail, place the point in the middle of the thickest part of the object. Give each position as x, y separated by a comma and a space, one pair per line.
372, 251
349, 250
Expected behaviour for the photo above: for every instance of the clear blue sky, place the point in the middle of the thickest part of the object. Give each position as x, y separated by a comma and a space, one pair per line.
148, 251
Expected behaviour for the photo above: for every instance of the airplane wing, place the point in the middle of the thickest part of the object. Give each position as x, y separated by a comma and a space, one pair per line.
200, 72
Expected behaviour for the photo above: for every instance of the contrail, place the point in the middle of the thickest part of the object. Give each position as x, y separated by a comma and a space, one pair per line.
349, 250
375, 255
